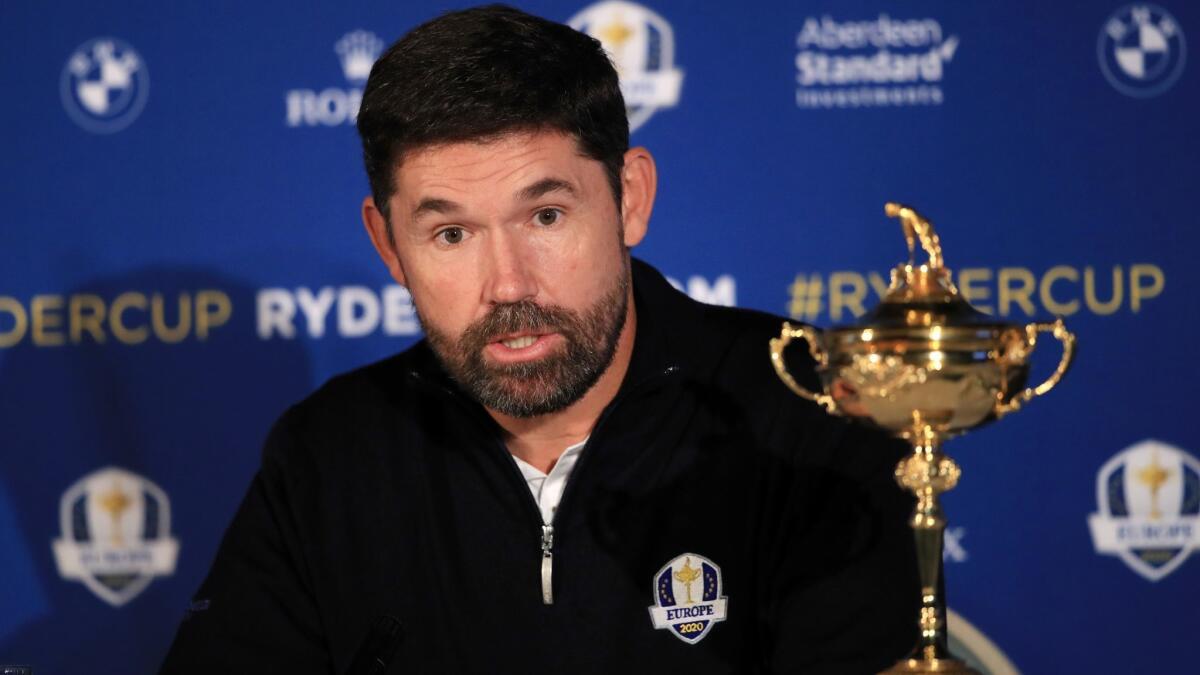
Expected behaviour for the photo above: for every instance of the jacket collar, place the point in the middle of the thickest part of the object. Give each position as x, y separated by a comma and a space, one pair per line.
667, 324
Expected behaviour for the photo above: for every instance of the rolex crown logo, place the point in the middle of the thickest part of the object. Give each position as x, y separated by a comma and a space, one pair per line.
358, 51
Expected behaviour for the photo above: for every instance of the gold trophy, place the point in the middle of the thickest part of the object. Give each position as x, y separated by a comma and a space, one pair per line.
926, 366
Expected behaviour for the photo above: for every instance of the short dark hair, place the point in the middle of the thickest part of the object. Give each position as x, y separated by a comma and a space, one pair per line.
480, 73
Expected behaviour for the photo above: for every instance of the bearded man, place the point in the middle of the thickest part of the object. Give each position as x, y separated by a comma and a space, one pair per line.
579, 470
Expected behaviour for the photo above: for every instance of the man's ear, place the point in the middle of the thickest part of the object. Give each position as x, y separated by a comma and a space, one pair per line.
639, 182
383, 238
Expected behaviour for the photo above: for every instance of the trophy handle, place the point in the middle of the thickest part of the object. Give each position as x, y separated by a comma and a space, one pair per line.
1067, 338
780, 343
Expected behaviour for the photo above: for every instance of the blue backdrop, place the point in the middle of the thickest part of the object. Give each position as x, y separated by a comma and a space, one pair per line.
181, 257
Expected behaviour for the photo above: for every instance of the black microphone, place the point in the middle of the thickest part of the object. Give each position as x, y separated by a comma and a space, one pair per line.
378, 648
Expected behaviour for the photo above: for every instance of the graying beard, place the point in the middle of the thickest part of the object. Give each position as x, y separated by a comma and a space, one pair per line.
558, 381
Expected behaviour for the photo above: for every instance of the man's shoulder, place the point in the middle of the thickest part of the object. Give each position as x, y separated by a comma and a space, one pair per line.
353, 405
702, 333
372, 384
741, 322
740, 342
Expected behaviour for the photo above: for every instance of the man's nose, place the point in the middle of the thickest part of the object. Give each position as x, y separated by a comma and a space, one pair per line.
512, 277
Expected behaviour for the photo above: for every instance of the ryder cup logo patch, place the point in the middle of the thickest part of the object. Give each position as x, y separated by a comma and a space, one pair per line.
1149, 508
1141, 50
104, 85
116, 534
687, 597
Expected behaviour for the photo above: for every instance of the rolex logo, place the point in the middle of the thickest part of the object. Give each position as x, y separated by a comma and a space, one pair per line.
337, 105
358, 51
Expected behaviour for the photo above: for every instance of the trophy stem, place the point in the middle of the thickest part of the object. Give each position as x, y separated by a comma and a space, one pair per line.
928, 473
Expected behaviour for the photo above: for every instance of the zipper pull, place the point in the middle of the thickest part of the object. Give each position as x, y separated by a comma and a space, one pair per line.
547, 565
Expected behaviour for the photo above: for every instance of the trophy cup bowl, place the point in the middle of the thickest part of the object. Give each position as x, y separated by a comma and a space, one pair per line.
925, 366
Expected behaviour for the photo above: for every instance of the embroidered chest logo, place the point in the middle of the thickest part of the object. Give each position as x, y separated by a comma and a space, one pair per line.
687, 597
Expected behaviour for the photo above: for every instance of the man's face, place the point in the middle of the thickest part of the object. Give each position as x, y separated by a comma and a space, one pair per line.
513, 251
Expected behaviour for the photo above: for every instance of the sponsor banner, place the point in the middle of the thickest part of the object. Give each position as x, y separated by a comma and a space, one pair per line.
182, 261
875, 62
104, 85
1142, 50
334, 105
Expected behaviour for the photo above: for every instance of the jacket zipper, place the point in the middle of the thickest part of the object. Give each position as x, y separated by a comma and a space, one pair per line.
548, 530
546, 541
547, 565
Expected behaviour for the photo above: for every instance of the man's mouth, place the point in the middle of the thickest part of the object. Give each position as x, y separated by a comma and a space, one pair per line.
522, 345
521, 339
519, 343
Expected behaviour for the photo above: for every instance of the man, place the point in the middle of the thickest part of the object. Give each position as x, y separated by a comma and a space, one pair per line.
687, 512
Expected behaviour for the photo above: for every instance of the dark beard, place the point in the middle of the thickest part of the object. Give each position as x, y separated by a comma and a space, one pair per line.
546, 385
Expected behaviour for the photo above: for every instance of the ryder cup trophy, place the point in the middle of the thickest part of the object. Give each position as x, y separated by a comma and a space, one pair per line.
925, 366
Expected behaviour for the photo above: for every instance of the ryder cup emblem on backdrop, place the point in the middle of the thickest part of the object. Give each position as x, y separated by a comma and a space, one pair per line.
1149, 508
1141, 50
641, 45
116, 534
104, 85
687, 597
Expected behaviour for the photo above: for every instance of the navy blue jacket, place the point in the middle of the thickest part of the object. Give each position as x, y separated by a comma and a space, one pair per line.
389, 492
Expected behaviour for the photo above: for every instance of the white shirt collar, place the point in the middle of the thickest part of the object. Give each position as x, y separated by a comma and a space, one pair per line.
548, 488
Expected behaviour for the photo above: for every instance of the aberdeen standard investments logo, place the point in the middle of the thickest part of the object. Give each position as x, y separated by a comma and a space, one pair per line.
1148, 499
880, 62
1142, 50
641, 45
116, 534
104, 85
334, 106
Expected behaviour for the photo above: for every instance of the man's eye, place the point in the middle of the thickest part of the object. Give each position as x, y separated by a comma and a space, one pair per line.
451, 235
548, 216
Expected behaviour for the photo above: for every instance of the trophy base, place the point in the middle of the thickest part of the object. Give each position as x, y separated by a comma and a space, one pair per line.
950, 666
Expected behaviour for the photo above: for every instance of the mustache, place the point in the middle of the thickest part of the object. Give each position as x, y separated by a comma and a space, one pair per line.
515, 317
